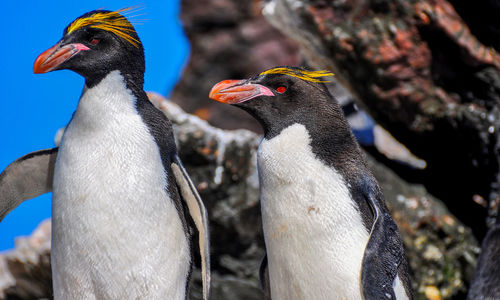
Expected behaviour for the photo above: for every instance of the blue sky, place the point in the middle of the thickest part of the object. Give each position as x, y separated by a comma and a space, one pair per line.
33, 107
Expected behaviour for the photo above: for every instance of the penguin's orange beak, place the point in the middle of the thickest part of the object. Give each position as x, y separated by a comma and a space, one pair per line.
53, 57
237, 91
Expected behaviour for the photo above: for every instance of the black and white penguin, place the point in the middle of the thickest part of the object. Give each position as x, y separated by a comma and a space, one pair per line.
121, 197
327, 230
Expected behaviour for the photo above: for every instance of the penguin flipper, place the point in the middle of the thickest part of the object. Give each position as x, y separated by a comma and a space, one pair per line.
486, 281
264, 278
27, 177
384, 259
199, 214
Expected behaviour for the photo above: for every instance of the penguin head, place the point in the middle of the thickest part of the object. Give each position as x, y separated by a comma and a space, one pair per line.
95, 44
279, 96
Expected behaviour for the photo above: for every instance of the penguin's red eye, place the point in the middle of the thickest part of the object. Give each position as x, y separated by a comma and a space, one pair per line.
281, 89
94, 42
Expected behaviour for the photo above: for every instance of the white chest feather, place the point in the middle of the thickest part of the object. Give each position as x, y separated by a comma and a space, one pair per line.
116, 233
314, 234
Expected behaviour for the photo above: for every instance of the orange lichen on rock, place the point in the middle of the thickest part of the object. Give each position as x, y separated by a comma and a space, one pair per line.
443, 16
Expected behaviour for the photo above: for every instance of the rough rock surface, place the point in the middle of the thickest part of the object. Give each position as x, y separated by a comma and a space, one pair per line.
442, 252
229, 39
25, 272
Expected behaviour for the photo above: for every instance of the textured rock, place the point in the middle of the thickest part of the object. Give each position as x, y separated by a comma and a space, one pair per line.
25, 271
229, 39
442, 252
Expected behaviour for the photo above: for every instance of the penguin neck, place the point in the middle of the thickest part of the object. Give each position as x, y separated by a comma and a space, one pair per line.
133, 78
104, 102
331, 138
132, 82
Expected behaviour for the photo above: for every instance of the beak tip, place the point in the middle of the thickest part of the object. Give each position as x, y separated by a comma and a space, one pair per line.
38, 70
36, 65
214, 92
217, 91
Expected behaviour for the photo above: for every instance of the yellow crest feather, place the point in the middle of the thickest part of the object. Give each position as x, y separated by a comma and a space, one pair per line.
111, 21
300, 73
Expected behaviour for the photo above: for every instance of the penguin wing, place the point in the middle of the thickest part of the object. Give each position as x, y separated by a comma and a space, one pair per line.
384, 257
199, 214
264, 278
486, 281
27, 177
